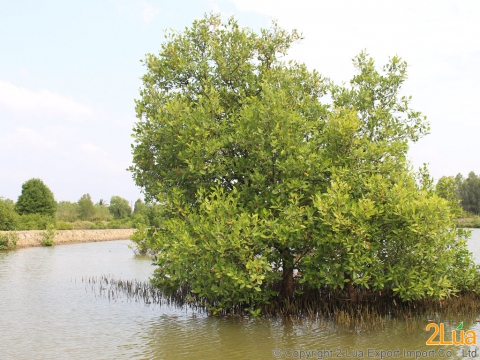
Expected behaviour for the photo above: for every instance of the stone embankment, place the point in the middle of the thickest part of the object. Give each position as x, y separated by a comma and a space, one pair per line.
34, 237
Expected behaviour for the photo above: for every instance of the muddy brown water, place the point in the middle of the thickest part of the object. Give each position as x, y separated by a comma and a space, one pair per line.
47, 312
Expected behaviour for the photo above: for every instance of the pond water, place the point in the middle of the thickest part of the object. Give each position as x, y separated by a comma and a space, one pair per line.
47, 312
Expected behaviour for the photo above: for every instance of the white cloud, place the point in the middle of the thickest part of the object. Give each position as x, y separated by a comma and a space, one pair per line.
21, 101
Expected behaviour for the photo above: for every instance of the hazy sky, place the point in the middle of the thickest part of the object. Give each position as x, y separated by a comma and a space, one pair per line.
69, 72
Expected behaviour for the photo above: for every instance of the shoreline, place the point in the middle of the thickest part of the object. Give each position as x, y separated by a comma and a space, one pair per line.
31, 238
473, 223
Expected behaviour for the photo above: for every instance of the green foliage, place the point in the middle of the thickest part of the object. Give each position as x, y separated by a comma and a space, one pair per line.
155, 215
140, 221
69, 216
34, 222
83, 225
48, 236
469, 192
63, 225
124, 223
8, 240
140, 207
100, 225
67, 211
141, 242
447, 189
90, 225
220, 250
393, 236
86, 209
102, 213
461, 192
256, 177
119, 207
140, 216
36, 198
8, 216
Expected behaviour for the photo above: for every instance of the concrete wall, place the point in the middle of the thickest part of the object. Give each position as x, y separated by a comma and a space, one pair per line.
33, 237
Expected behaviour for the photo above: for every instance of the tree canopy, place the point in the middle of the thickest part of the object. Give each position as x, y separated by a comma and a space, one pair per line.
8, 216
464, 192
86, 209
36, 198
469, 192
260, 177
119, 207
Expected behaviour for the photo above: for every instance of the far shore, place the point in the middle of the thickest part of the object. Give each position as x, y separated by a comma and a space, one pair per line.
29, 238
473, 222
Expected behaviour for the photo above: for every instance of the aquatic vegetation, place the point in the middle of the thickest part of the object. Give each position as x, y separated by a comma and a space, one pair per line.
8, 240
375, 310
48, 236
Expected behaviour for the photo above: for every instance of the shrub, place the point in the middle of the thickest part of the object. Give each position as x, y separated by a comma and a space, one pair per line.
48, 236
86, 209
140, 220
67, 211
83, 225
8, 216
141, 242
34, 222
100, 225
119, 207
63, 225
102, 213
120, 224
8, 240
97, 225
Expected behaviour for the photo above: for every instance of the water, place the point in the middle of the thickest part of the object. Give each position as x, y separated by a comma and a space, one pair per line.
47, 312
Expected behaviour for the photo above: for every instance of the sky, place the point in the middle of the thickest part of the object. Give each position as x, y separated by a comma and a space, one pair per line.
70, 71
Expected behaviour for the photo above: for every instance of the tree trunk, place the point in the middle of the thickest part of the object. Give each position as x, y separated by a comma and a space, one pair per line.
286, 290
351, 290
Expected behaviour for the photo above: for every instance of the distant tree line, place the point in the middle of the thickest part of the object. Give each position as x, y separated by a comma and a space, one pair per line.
36, 209
465, 192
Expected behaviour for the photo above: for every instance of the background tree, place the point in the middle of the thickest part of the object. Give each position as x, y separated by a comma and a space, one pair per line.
140, 207
8, 216
86, 209
469, 192
119, 207
140, 214
102, 213
67, 211
448, 188
36, 198
256, 177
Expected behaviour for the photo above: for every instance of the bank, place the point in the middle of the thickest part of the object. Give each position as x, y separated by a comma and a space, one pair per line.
473, 222
30, 238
